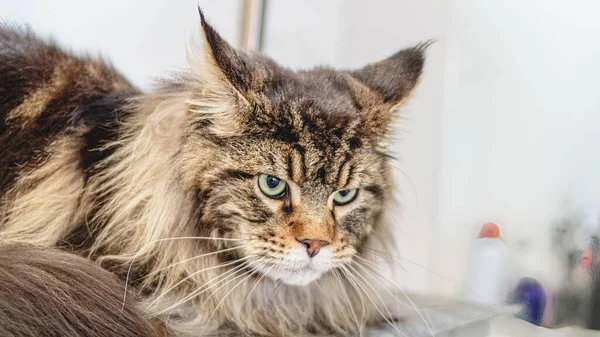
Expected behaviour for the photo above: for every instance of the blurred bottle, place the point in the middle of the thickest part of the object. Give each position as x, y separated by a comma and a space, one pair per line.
488, 272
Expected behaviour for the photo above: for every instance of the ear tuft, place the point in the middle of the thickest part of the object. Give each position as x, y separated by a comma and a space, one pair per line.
201, 14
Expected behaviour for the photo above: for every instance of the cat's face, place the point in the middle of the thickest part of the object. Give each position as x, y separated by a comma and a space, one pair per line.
292, 163
302, 206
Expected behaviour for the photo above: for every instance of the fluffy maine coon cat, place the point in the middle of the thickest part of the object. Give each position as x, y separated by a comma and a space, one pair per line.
239, 198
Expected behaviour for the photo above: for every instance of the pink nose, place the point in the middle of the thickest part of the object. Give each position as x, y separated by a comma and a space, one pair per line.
313, 246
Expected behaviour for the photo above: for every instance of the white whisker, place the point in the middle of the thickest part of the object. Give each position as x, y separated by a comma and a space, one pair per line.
253, 288
224, 284
395, 295
193, 258
350, 304
358, 292
397, 259
377, 294
429, 328
205, 287
278, 285
224, 264
389, 318
221, 278
252, 272
162, 240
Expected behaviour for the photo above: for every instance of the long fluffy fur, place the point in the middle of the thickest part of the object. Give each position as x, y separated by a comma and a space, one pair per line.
47, 292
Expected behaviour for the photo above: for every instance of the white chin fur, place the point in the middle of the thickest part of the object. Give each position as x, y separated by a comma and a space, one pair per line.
298, 269
297, 278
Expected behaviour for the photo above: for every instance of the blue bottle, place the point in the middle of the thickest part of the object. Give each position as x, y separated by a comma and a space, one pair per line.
530, 293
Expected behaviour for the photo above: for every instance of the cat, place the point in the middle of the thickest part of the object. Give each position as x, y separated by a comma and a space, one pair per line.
238, 198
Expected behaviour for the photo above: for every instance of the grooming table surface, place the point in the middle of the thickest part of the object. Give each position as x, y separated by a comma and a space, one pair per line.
504, 326
511, 327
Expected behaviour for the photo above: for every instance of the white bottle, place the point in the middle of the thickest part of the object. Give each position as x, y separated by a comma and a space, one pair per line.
488, 270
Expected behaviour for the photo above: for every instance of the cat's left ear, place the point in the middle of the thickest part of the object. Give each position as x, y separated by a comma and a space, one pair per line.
380, 88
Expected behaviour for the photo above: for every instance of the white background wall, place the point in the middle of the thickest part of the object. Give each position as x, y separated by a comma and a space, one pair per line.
519, 127
502, 128
143, 39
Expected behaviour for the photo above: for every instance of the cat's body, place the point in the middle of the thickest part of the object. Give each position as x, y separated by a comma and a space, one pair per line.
164, 189
47, 292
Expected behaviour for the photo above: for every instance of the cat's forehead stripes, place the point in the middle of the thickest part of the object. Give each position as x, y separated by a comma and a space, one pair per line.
343, 175
296, 163
325, 164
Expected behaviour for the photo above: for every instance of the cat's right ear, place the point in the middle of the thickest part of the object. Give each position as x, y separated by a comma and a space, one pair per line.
233, 66
224, 76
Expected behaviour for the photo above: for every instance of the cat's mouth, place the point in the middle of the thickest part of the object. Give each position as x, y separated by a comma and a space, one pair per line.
299, 276
297, 268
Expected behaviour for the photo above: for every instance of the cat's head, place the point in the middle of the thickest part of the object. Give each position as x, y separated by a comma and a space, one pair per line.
292, 163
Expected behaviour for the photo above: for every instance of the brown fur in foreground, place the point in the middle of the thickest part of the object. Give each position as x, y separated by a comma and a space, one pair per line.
46, 292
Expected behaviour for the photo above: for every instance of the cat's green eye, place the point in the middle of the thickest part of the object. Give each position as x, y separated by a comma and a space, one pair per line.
271, 186
343, 197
